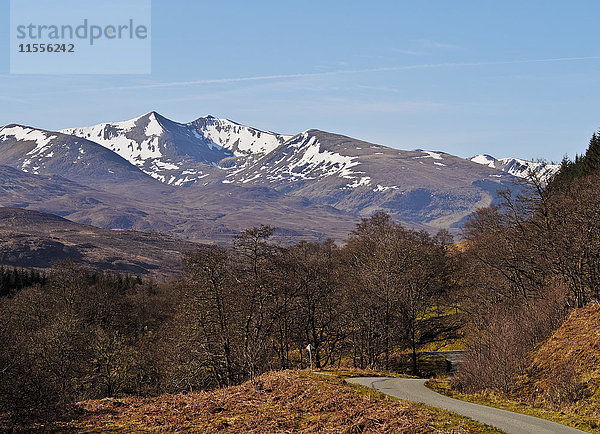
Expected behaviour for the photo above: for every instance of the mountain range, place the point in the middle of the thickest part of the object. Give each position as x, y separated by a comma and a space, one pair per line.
206, 180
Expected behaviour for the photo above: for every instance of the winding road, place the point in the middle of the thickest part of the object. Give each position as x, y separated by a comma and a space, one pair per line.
410, 389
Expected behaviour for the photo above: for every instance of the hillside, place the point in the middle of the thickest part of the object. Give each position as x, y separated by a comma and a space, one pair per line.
35, 239
418, 187
564, 373
287, 401
212, 214
561, 380
80, 203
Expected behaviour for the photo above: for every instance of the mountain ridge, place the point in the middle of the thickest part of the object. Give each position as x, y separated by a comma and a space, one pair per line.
164, 146
517, 166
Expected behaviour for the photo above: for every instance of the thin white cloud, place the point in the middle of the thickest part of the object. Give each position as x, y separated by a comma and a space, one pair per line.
378, 88
275, 77
356, 71
358, 107
427, 43
12, 99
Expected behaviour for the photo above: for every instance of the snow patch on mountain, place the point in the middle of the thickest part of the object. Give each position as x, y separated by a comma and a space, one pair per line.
486, 160
360, 182
522, 168
43, 141
431, 154
27, 134
307, 160
154, 128
302, 158
312, 159
382, 188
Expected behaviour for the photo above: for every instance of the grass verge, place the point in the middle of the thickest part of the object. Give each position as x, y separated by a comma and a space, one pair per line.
442, 385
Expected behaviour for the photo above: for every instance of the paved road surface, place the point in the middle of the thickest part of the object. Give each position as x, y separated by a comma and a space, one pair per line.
453, 358
414, 390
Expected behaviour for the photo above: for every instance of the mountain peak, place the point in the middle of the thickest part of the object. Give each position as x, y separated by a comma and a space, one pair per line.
12, 126
153, 115
210, 119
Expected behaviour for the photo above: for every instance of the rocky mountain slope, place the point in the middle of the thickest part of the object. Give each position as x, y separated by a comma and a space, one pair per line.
418, 187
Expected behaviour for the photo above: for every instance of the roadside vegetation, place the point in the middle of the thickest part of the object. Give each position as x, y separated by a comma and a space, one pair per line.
563, 374
516, 404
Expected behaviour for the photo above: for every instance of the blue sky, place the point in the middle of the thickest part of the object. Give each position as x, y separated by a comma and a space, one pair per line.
509, 78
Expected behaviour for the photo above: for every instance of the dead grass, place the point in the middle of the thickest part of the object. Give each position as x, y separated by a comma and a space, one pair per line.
562, 382
564, 374
278, 402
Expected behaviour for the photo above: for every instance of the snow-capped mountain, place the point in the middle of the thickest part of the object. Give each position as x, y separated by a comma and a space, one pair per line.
173, 171
302, 158
516, 166
363, 178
